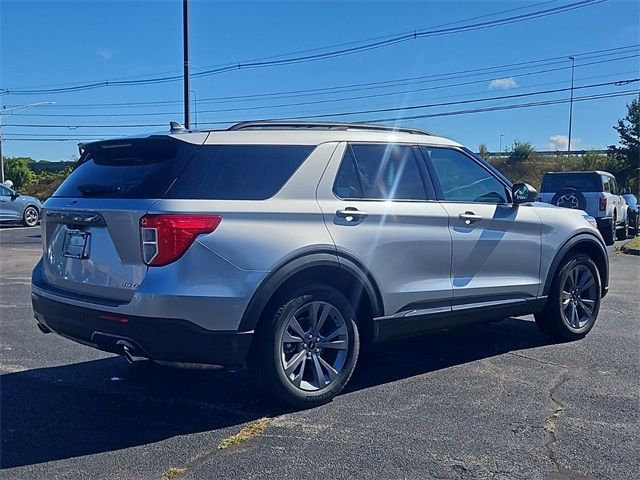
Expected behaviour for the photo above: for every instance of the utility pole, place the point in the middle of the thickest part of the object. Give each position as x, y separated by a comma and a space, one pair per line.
185, 41
11, 111
573, 65
500, 149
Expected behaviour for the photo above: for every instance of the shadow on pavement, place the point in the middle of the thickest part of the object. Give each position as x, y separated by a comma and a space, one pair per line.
105, 405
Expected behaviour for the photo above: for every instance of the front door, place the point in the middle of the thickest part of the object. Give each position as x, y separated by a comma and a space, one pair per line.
496, 244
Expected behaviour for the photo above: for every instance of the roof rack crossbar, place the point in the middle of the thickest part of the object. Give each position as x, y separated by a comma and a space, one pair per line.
268, 124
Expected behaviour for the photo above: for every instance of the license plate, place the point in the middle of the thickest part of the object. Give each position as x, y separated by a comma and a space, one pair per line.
76, 244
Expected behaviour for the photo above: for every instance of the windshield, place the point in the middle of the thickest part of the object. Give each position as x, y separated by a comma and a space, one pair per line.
583, 182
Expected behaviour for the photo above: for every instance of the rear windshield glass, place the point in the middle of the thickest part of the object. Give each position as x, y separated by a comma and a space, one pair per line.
139, 168
583, 182
239, 172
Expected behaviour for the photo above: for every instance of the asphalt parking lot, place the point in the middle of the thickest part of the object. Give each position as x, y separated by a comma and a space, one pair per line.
493, 401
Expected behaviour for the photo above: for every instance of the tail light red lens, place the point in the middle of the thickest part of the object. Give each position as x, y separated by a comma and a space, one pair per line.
165, 238
603, 202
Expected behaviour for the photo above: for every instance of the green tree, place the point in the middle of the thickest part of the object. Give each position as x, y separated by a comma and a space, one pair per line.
628, 150
18, 171
483, 150
520, 152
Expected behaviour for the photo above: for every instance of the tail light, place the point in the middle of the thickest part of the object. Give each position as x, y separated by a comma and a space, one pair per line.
603, 203
165, 238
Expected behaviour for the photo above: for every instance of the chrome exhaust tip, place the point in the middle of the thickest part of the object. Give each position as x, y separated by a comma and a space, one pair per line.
129, 352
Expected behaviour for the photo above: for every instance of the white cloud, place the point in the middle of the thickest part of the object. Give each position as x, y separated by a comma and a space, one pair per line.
105, 53
502, 83
560, 142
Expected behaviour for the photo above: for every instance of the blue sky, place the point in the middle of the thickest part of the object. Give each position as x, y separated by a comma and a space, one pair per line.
55, 43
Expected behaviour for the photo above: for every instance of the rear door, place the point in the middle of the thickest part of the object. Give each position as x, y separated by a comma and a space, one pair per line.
91, 225
496, 245
379, 207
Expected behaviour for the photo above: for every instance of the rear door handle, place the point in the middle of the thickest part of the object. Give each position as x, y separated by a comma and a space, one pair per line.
469, 217
351, 214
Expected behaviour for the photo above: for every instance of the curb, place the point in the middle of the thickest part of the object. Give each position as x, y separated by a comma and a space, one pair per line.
629, 250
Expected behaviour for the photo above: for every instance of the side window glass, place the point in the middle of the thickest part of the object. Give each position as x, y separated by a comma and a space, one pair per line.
462, 179
347, 184
388, 171
614, 186
606, 185
4, 192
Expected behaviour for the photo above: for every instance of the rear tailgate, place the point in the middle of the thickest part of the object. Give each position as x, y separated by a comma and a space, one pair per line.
94, 250
91, 225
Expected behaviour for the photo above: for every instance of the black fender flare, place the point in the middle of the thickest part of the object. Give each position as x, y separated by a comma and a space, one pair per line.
580, 238
299, 262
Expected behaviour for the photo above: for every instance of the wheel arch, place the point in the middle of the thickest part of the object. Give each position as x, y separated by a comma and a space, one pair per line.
585, 243
336, 269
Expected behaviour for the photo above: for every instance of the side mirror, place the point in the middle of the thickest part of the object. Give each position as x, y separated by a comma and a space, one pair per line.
523, 193
15, 195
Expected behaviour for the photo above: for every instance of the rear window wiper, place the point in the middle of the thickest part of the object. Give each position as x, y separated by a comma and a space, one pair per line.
91, 189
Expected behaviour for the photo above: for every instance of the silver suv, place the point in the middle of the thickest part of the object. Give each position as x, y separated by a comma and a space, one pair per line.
287, 246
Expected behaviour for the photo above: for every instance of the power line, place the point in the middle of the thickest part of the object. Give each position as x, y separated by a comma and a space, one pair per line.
333, 100
385, 83
297, 52
431, 115
357, 112
321, 56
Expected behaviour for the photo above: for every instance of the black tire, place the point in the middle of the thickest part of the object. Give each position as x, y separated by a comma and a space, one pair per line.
608, 232
569, 198
553, 320
623, 233
267, 358
30, 216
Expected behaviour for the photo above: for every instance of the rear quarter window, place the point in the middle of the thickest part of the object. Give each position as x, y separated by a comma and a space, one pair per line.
239, 172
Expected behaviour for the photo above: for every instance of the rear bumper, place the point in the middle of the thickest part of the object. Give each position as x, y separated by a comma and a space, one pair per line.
164, 339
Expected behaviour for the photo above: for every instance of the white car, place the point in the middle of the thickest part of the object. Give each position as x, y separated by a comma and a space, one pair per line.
596, 193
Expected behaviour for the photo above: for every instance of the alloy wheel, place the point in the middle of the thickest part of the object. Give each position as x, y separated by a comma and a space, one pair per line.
30, 216
578, 297
314, 346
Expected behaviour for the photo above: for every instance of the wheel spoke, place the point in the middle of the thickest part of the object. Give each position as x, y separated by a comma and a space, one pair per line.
565, 297
333, 373
587, 281
291, 365
288, 338
575, 318
336, 344
318, 373
297, 380
295, 325
589, 303
585, 309
324, 313
339, 330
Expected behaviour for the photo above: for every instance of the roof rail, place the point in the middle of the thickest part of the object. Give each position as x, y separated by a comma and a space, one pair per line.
275, 125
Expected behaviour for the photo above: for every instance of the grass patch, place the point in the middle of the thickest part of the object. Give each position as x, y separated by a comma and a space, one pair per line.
245, 434
635, 243
173, 473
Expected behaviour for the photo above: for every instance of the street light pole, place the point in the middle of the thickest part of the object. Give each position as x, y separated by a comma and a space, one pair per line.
500, 149
11, 111
185, 37
573, 65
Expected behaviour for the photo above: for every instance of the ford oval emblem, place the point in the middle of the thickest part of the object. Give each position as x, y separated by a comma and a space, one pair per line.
72, 202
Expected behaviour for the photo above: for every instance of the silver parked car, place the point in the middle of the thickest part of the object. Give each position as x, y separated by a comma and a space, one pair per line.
288, 245
16, 208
